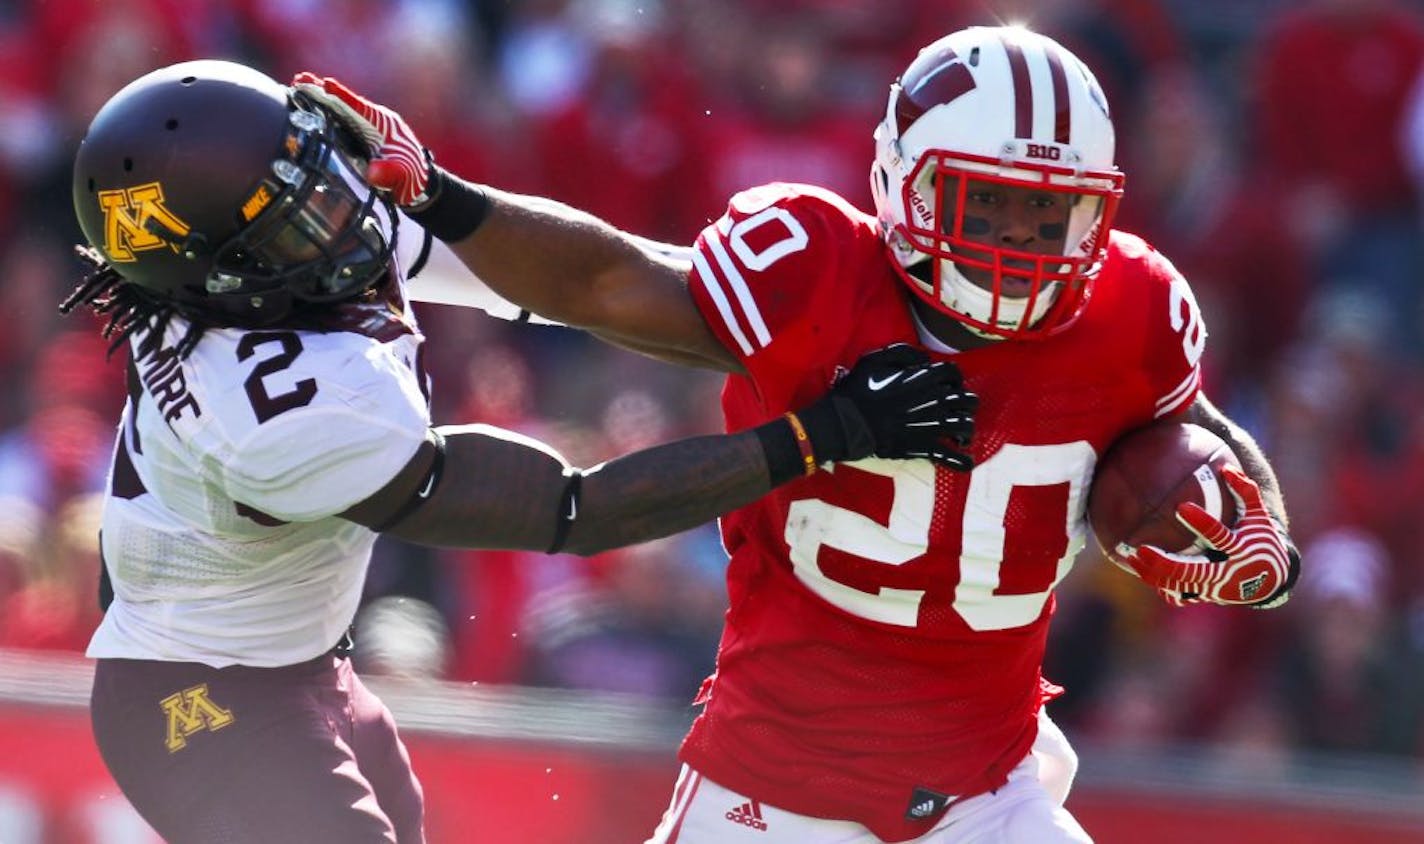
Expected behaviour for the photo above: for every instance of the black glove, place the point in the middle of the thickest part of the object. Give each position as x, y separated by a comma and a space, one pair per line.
894, 403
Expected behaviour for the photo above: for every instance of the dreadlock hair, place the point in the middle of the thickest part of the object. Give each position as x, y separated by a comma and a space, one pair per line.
129, 307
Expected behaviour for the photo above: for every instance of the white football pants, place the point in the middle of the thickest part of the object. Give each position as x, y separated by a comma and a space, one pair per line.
1028, 809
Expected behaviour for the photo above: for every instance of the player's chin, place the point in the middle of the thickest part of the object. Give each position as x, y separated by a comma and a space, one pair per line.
1015, 288
1010, 286
1018, 278
984, 279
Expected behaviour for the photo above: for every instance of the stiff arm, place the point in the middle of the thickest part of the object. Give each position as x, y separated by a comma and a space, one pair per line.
573, 268
499, 489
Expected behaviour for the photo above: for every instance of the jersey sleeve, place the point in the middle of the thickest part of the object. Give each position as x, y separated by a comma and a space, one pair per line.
764, 278
1176, 337
364, 422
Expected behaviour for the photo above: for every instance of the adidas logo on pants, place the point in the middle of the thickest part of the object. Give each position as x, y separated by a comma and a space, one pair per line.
747, 814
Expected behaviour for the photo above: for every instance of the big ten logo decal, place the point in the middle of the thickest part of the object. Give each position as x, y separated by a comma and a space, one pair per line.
129, 218
1044, 151
191, 711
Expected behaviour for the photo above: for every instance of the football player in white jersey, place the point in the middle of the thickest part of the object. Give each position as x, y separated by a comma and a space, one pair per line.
879, 677
277, 421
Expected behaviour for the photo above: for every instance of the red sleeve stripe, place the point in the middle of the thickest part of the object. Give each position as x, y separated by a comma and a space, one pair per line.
1180, 396
724, 308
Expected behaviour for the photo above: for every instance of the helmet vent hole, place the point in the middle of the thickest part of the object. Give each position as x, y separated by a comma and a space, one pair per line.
189, 80
128, 164
91, 185
171, 124
974, 57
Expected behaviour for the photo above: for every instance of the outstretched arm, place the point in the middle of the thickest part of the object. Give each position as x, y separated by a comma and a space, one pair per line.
500, 490
544, 256
481, 487
576, 269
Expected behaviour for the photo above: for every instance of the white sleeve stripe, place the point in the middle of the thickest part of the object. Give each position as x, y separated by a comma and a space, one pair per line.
739, 287
1173, 401
714, 290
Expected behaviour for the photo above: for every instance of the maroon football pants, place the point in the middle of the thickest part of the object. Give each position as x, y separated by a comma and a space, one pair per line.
300, 753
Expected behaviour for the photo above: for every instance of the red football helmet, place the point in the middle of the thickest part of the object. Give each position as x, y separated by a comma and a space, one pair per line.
1002, 107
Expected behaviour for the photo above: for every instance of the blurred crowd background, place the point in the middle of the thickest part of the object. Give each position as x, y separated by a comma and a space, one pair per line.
1274, 151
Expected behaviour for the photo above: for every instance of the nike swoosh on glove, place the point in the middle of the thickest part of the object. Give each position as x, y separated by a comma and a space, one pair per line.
399, 164
907, 405
1254, 564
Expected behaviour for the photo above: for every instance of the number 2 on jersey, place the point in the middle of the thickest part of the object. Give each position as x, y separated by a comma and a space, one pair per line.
265, 403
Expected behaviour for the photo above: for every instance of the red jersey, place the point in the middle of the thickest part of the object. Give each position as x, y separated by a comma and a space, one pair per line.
887, 618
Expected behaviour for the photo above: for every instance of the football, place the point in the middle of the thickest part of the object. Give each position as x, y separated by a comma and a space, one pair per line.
1146, 474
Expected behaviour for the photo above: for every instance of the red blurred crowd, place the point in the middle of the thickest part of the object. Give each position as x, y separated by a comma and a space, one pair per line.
1274, 151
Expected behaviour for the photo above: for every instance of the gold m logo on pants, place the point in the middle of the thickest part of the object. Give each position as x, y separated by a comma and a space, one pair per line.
129, 218
188, 712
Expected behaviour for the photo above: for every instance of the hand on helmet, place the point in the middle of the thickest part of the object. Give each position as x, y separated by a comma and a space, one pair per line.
1253, 564
399, 164
896, 403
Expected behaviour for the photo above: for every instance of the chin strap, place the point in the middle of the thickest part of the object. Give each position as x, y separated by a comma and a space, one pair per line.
970, 299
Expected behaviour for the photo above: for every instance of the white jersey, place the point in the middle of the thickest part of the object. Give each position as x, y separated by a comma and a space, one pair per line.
220, 532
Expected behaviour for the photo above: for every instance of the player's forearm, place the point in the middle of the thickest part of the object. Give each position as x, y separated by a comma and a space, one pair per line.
682, 357
573, 268
547, 257
667, 490
1258, 469
500, 490
1248, 452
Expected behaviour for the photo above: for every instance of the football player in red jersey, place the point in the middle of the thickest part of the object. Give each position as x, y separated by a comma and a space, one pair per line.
879, 676
278, 419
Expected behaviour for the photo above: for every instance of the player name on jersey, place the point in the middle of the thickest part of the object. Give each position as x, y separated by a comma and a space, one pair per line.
162, 374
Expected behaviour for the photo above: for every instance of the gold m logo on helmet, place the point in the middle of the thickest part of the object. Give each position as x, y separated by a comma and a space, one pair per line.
130, 215
190, 711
